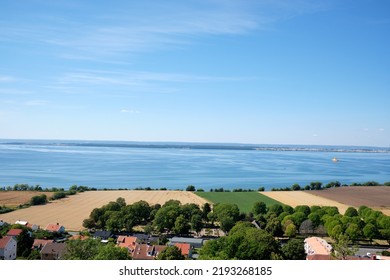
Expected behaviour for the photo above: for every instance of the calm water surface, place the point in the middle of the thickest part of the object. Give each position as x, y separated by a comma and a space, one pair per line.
128, 167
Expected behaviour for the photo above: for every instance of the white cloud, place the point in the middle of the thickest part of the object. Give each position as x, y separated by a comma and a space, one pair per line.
381, 129
126, 111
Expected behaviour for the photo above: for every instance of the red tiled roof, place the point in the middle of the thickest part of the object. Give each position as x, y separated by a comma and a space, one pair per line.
53, 227
14, 232
128, 242
39, 243
184, 248
4, 241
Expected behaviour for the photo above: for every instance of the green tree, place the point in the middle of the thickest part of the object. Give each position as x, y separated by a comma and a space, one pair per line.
353, 232
227, 215
190, 188
165, 217
111, 252
38, 199
274, 227
351, 212
82, 249
370, 231
181, 225
170, 253
259, 208
196, 223
244, 242
291, 231
294, 250
342, 247
206, 209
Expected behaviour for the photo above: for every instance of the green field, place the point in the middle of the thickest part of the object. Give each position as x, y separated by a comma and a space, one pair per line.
244, 200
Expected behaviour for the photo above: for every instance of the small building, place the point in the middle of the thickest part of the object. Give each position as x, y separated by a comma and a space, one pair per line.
146, 238
56, 228
317, 249
40, 243
128, 242
14, 232
33, 227
185, 249
194, 242
8, 247
53, 251
147, 252
103, 235
2, 223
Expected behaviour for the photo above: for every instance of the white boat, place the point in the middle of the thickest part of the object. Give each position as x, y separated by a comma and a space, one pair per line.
335, 159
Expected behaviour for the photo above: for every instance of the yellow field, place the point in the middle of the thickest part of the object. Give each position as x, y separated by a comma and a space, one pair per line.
303, 198
70, 212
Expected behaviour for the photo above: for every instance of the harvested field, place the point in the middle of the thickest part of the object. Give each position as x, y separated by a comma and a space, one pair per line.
295, 198
15, 198
374, 197
71, 211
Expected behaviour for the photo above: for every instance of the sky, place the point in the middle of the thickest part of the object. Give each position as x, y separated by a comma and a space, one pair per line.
227, 71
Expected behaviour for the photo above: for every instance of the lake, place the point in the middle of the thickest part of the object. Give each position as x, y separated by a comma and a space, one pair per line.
177, 165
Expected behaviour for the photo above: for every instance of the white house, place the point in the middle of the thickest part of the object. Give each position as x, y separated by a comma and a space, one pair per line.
8, 247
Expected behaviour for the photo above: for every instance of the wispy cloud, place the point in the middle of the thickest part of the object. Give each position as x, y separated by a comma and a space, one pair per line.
126, 111
134, 27
7, 79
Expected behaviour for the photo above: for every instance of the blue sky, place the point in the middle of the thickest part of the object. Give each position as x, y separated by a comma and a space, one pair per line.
245, 71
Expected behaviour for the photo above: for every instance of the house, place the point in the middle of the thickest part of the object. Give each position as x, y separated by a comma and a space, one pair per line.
33, 227
53, 251
8, 246
147, 252
15, 232
194, 242
317, 249
146, 238
185, 249
2, 223
128, 242
56, 228
103, 235
40, 243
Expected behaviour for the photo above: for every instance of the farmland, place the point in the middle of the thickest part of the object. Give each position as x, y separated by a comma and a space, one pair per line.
244, 200
15, 198
375, 197
71, 211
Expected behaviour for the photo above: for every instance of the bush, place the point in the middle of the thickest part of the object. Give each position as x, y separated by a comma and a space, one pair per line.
59, 195
386, 253
38, 199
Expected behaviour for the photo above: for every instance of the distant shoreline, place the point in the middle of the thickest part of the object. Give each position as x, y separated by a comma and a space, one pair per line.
197, 146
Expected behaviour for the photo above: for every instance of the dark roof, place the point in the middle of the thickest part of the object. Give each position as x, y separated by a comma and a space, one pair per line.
54, 249
102, 234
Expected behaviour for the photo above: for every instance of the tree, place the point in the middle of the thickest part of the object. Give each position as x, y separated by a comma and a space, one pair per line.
206, 209
275, 208
171, 253
112, 252
245, 242
353, 232
342, 248
351, 212
190, 188
227, 215
259, 208
196, 223
303, 209
296, 187
291, 230
274, 226
121, 201
294, 250
181, 225
38, 199
370, 231
165, 217
82, 249
89, 223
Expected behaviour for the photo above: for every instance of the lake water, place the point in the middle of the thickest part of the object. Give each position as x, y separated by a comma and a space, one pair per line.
175, 166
